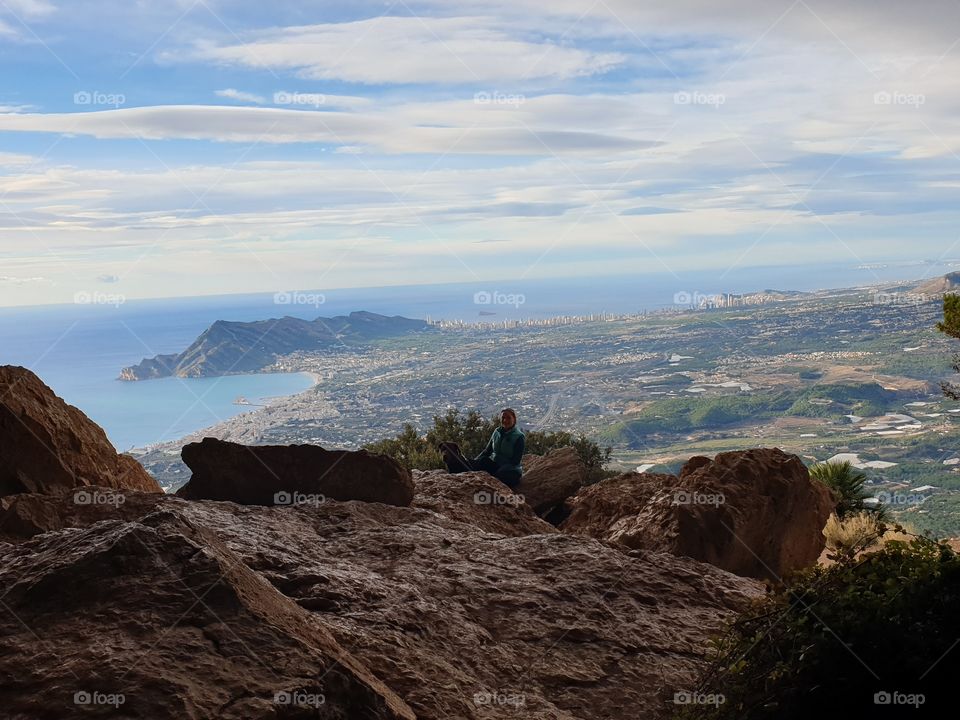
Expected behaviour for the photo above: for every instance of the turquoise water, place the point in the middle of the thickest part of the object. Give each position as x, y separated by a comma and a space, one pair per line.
135, 414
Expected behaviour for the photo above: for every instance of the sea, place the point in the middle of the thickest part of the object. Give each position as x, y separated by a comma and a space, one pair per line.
80, 349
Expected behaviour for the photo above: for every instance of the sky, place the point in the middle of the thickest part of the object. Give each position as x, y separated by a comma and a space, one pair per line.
198, 147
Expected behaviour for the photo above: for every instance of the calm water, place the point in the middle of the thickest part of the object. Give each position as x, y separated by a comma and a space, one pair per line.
80, 350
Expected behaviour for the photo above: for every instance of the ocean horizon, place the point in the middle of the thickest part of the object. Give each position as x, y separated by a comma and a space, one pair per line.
79, 350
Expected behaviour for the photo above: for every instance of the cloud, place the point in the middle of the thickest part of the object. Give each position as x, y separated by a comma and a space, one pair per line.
405, 50
649, 211
29, 8
15, 160
241, 96
21, 280
274, 125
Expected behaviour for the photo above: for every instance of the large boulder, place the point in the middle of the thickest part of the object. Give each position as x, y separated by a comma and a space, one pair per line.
159, 619
288, 474
459, 621
48, 446
478, 499
548, 480
756, 513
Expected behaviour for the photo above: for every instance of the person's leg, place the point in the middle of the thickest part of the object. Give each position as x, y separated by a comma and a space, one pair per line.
453, 458
484, 464
508, 476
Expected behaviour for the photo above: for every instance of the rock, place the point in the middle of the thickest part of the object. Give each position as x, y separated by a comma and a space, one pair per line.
159, 619
278, 474
694, 464
456, 620
48, 446
550, 479
29, 514
755, 513
477, 499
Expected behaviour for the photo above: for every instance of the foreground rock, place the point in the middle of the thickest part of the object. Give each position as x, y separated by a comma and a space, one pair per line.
48, 446
460, 615
158, 619
548, 480
478, 499
288, 474
755, 513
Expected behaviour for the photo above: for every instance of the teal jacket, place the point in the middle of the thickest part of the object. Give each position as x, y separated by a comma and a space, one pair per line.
506, 448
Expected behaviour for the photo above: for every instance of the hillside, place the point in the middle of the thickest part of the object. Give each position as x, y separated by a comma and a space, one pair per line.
938, 286
238, 347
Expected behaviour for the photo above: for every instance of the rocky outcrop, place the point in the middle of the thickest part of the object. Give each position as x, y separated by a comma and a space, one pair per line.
694, 464
460, 617
162, 620
755, 513
29, 514
48, 446
291, 474
550, 479
477, 499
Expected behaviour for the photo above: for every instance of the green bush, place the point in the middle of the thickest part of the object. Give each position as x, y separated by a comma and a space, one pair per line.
471, 431
951, 327
846, 483
836, 637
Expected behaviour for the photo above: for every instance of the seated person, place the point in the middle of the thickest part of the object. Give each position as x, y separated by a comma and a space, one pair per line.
501, 457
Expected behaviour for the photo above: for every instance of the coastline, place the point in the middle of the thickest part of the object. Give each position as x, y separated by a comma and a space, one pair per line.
274, 404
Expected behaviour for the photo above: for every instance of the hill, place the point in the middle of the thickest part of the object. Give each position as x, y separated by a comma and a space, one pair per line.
938, 286
240, 347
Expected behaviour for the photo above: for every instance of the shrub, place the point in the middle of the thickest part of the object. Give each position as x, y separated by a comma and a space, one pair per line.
836, 639
846, 484
859, 532
951, 327
471, 431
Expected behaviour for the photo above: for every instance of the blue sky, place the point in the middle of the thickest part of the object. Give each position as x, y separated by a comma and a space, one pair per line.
209, 146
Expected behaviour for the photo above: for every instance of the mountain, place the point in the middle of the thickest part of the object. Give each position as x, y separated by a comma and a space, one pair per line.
949, 283
240, 347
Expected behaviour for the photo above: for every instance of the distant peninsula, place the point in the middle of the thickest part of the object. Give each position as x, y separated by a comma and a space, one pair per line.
231, 348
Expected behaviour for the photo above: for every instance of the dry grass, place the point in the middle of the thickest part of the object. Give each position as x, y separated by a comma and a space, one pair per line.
859, 533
